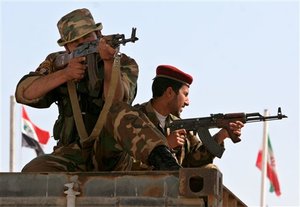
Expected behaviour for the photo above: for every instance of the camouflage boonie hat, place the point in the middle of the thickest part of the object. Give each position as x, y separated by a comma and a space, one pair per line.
75, 25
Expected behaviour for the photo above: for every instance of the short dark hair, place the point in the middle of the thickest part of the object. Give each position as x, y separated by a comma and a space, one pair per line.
160, 85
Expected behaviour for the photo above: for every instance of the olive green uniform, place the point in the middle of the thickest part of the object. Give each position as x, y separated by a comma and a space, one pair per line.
127, 132
193, 154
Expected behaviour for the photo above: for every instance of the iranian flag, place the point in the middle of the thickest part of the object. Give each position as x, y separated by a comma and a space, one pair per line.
33, 136
271, 168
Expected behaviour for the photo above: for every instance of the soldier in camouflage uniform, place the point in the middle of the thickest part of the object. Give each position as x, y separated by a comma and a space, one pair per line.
170, 91
125, 129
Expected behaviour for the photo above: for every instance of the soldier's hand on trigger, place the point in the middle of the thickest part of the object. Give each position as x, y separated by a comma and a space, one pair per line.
106, 51
75, 70
176, 138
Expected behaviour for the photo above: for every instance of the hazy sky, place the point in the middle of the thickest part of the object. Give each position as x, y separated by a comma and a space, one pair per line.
243, 55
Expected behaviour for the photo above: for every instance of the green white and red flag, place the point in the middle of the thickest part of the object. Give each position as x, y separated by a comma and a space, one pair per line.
271, 168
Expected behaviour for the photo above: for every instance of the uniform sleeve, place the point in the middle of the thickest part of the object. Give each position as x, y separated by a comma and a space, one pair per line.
129, 73
44, 68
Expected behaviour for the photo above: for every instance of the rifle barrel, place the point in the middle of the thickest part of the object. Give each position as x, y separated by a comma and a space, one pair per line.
265, 118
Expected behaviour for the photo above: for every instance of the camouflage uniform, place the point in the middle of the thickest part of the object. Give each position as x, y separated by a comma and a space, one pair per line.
193, 154
125, 131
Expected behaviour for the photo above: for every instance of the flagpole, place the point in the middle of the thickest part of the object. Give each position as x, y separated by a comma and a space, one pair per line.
264, 162
12, 134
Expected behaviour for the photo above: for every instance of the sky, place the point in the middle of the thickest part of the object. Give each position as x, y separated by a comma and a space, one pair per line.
243, 56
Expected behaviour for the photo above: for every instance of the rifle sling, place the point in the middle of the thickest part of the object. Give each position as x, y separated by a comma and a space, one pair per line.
102, 116
76, 111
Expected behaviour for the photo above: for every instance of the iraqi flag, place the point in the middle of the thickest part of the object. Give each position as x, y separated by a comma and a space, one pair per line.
271, 168
33, 136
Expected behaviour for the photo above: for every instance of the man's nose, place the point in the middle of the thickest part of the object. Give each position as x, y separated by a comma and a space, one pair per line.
187, 102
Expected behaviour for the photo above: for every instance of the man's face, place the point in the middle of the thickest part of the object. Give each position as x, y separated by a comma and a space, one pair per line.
179, 101
87, 38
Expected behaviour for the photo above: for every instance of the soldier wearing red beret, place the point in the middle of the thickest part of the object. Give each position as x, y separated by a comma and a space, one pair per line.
170, 94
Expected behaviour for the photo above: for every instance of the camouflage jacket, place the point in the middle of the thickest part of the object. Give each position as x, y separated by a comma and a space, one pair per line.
193, 154
64, 129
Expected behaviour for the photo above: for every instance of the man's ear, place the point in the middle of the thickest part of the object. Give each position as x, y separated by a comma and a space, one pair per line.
170, 92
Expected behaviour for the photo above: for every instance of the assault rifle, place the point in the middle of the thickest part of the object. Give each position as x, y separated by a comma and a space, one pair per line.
201, 126
90, 50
